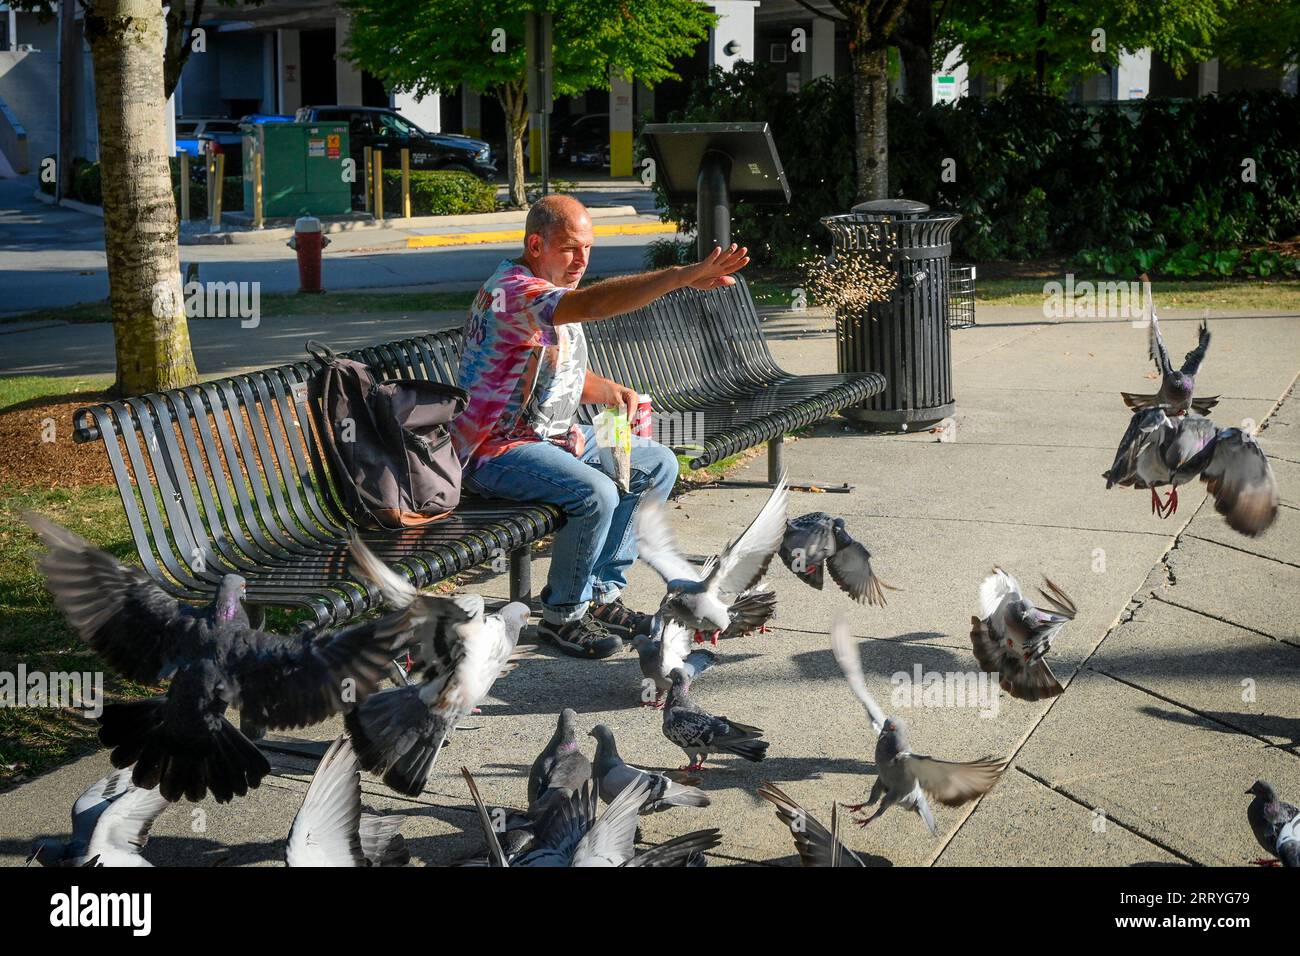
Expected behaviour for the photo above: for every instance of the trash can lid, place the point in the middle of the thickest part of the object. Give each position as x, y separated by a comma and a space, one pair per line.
892, 207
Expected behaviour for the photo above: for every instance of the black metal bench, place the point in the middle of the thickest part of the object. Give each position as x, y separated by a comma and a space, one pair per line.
228, 476
714, 385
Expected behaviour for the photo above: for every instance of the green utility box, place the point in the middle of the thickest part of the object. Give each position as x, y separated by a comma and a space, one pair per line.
302, 169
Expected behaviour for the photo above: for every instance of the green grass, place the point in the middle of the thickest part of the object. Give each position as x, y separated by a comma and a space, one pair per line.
26, 388
33, 630
1253, 295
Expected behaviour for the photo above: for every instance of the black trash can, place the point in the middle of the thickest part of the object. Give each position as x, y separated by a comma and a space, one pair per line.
904, 338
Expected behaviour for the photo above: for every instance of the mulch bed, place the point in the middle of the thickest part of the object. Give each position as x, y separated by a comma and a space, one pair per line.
33, 463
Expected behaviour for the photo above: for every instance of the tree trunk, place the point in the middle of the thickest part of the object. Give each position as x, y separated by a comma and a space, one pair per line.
915, 41
870, 102
151, 334
513, 102
177, 50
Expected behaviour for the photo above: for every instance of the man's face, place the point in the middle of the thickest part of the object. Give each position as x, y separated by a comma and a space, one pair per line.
561, 256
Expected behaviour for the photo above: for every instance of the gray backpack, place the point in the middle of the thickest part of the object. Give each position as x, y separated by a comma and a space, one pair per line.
387, 441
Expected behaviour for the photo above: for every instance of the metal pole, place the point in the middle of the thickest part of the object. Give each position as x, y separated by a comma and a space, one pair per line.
185, 186
210, 170
257, 189
217, 197
406, 182
366, 189
713, 202
546, 152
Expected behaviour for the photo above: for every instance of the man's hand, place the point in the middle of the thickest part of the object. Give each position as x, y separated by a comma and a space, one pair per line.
603, 391
716, 268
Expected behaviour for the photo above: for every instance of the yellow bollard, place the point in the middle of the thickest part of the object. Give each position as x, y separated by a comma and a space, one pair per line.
217, 197
379, 185
257, 190
406, 182
367, 181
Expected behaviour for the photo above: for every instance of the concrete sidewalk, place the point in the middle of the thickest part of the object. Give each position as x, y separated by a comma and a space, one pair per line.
1182, 669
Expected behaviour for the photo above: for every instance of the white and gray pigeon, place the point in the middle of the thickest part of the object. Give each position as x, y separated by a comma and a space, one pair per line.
1158, 450
330, 829
903, 777
573, 835
666, 648
700, 598
398, 733
818, 542
182, 743
560, 769
110, 826
1011, 636
613, 776
700, 733
1176, 385
817, 846
1275, 824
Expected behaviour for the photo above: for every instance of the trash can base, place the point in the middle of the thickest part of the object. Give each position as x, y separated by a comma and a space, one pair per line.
916, 419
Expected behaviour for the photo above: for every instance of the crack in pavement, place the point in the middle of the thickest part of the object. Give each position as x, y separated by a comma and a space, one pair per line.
1233, 547
1224, 620
1015, 524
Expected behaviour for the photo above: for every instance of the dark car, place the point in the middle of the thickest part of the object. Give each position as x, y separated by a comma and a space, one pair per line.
582, 141
389, 131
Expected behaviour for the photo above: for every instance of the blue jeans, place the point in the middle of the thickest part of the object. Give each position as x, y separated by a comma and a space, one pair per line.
597, 544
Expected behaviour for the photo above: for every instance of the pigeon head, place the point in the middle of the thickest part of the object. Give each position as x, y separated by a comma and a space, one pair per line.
514, 615
644, 643
681, 683
566, 728
1262, 788
230, 598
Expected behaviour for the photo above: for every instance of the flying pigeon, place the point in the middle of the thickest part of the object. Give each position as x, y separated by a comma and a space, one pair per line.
397, 733
613, 776
817, 846
817, 542
666, 648
1012, 637
559, 770
110, 826
906, 778
182, 743
1176, 386
699, 733
1157, 450
700, 598
1276, 825
331, 830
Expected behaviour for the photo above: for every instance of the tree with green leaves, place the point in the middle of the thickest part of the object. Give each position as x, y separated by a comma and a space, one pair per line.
872, 26
1264, 33
1046, 45
427, 46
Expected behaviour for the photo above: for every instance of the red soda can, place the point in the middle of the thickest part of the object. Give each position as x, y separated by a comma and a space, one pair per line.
643, 420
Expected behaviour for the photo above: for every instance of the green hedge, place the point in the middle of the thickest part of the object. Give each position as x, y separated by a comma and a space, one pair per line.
438, 193
1152, 180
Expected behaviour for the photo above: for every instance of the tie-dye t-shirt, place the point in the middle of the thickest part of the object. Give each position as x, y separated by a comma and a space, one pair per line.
524, 374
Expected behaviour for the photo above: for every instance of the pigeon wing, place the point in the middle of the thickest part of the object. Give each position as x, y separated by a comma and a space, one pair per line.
817, 846
952, 783
846, 655
1159, 354
496, 855
746, 559
1242, 483
129, 621
850, 568
611, 839
657, 546
124, 825
1192, 361
326, 830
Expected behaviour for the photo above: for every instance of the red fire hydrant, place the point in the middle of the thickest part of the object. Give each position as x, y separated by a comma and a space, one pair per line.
307, 242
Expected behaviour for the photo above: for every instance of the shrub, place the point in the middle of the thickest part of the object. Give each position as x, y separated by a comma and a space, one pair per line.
438, 193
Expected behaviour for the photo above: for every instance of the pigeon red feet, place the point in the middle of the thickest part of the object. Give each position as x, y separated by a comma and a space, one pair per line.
695, 767
699, 637
714, 637
854, 807
1267, 862
1155, 502
1167, 507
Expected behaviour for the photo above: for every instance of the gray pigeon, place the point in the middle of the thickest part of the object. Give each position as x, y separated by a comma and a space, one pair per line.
1011, 637
819, 542
613, 776
906, 778
700, 598
182, 744
817, 846
330, 829
750, 612
560, 769
1276, 825
664, 649
699, 733
110, 826
1176, 385
1157, 450
398, 733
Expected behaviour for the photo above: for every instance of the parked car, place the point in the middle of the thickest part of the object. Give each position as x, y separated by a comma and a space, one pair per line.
190, 129
582, 141
386, 129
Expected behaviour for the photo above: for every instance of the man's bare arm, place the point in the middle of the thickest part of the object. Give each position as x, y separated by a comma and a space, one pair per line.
626, 293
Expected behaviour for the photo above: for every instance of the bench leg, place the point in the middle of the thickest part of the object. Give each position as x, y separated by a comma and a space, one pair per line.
521, 575
775, 466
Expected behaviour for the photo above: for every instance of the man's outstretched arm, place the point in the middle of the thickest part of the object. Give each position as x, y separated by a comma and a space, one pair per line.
626, 293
